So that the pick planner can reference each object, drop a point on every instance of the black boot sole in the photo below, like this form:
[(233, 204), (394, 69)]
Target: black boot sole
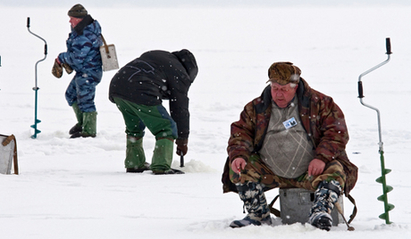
[(170, 171)]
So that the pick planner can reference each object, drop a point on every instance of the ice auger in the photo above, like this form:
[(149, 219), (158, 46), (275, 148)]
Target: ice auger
[(35, 88), (385, 188)]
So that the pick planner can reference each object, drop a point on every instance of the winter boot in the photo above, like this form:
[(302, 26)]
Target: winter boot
[(79, 115), (325, 197), (89, 126), (146, 166), (135, 158), (254, 200), (162, 156), (169, 171)]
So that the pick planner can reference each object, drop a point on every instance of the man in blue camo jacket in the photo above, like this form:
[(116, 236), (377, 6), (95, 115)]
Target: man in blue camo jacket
[(83, 56)]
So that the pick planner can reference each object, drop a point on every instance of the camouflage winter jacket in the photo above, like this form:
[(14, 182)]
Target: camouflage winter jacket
[(83, 47), (322, 119)]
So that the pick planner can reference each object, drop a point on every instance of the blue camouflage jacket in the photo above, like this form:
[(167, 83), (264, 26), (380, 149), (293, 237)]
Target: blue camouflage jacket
[(83, 44)]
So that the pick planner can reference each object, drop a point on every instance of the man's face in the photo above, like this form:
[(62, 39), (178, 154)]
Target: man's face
[(282, 94), (74, 21)]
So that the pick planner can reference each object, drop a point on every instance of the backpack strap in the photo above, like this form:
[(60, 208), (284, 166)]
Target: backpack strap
[(105, 45), (354, 212), (273, 210)]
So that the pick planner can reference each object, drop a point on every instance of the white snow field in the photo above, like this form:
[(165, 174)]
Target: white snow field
[(78, 188)]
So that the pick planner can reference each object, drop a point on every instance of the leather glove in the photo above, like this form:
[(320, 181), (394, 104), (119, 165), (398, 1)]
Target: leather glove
[(57, 70), (67, 68), (182, 146)]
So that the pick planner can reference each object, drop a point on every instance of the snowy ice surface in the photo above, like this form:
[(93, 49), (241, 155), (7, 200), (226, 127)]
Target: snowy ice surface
[(79, 189)]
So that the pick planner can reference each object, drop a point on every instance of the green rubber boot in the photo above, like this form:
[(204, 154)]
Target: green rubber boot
[(79, 115), (89, 127), (162, 156), (135, 161)]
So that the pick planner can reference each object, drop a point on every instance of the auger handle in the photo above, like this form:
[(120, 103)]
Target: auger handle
[(388, 45), (360, 90)]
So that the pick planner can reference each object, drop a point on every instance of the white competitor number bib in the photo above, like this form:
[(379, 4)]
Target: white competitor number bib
[(290, 123)]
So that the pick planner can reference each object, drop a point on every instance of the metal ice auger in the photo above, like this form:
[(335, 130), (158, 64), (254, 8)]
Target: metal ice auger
[(35, 88), (385, 188)]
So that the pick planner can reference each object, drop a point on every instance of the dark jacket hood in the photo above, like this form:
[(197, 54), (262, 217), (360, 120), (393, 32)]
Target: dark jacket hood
[(189, 62)]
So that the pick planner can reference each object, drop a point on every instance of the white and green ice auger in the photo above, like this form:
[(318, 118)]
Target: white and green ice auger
[(36, 88), (386, 189)]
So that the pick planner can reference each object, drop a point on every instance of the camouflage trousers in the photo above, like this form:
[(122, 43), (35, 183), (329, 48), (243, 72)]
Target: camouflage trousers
[(256, 171), (82, 89)]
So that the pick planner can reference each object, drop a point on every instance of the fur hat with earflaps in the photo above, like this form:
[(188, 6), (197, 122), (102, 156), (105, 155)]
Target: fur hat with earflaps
[(284, 73), (77, 11)]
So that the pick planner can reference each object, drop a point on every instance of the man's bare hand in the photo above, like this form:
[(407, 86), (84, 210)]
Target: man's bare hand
[(237, 165), (316, 167)]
